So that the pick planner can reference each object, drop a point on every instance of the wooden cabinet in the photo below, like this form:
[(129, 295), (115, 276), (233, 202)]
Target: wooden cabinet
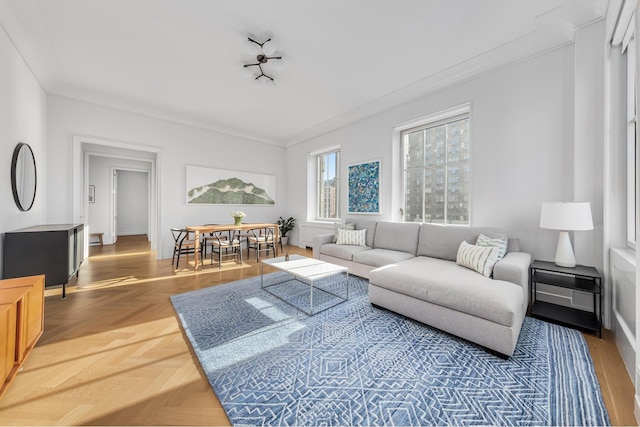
[(21, 323), (53, 250), (8, 317)]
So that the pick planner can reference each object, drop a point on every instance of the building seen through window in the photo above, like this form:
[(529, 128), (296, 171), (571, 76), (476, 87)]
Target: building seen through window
[(436, 172), (328, 185)]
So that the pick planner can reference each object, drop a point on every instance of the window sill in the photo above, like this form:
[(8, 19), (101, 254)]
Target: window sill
[(626, 254), (317, 223)]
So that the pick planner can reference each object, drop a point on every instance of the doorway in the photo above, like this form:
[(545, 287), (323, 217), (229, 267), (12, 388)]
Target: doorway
[(130, 202), (98, 212)]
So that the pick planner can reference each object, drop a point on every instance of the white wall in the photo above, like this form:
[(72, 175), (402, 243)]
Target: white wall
[(637, 254), (133, 203), (588, 140), (23, 118), (620, 268), (536, 135), (521, 134), (178, 146)]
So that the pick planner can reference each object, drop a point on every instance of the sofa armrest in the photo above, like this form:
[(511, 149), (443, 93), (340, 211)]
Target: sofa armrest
[(319, 240), (514, 267)]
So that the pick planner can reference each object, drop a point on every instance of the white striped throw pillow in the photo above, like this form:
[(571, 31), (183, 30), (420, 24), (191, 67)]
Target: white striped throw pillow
[(488, 241), (478, 258), (351, 237), (337, 226)]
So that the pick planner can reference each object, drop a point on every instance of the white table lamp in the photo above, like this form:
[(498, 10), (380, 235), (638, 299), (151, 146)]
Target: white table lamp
[(566, 216)]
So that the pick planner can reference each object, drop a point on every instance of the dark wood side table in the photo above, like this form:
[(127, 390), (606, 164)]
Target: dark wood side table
[(580, 278)]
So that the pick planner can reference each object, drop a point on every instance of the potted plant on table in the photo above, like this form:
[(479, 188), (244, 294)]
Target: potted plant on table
[(286, 225), (237, 217)]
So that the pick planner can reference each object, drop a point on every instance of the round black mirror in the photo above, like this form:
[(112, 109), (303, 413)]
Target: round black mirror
[(23, 176)]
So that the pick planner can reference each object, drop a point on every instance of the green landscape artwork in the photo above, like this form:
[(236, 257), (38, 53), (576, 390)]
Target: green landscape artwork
[(208, 186)]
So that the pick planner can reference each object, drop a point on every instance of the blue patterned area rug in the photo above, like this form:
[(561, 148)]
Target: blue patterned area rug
[(354, 364)]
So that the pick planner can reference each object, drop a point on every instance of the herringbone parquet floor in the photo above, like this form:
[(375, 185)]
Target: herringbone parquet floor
[(113, 353)]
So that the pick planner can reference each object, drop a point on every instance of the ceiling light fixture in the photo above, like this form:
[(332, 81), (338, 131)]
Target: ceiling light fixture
[(263, 57)]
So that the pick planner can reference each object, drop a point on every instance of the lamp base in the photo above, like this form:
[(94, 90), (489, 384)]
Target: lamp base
[(564, 251)]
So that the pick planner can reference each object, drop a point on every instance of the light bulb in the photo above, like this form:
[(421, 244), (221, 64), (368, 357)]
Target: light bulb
[(271, 84), (269, 48), (248, 72), (250, 47)]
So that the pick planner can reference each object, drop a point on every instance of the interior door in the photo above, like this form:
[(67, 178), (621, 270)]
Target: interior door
[(114, 203)]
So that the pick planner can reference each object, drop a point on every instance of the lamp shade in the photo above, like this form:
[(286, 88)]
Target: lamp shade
[(566, 216)]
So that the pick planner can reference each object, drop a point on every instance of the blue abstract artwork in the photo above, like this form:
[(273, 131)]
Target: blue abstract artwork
[(364, 187)]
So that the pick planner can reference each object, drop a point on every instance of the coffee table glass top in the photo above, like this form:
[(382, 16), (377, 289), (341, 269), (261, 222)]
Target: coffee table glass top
[(319, 276), (305, 268)]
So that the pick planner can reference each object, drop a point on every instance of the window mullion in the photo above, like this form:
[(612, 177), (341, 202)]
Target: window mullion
[(320, 208), (424, 174), (446, 174)]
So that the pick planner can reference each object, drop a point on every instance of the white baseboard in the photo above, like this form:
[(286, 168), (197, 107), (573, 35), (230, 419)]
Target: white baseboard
[(131, 233)]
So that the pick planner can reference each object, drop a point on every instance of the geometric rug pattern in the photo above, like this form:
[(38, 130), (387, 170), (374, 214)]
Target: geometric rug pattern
[(354, 364)]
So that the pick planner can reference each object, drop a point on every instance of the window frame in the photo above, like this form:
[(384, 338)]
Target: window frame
[(438, 119), (632, 209), (317, 157)]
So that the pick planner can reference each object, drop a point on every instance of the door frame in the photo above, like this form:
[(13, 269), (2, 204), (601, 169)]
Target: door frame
[(84, 146), (113, 191)]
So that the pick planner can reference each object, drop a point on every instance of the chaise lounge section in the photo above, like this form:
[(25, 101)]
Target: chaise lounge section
[(412, 270)]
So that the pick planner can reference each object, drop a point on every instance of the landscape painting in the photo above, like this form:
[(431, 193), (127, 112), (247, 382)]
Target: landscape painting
[(207, 186), (364, 188)]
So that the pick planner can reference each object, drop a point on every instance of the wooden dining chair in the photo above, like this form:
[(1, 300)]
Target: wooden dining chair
[(261, 240), (209, 238), (226, 247), (183, 245)]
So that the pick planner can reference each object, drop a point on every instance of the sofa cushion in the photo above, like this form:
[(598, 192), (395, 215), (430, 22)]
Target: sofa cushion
[(342, 251), (449, 285), (369, 224), (443, 241), (478, 258), (397, 236), (501, 244), (380, 257), (351, 237), (513, 244)]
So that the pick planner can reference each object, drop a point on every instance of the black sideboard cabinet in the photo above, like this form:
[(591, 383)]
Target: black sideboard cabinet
[(55, 250)]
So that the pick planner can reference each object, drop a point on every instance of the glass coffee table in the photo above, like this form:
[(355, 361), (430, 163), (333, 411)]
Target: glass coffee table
[(308, 284)]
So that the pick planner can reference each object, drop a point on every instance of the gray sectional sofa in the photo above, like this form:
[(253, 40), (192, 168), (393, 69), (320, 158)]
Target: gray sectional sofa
[(412, 270)]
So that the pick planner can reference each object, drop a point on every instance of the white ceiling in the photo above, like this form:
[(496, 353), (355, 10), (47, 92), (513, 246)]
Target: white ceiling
[(344, 59)]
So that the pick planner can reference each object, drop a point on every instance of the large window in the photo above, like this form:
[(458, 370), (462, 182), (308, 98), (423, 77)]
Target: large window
[(436, 171), (328, 185)]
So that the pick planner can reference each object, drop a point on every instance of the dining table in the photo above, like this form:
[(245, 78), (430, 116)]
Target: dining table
[(213, 228)]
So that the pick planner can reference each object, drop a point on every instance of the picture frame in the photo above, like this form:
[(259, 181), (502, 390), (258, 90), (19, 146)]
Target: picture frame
[(364, 187), (210, 186), (92, 194)]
